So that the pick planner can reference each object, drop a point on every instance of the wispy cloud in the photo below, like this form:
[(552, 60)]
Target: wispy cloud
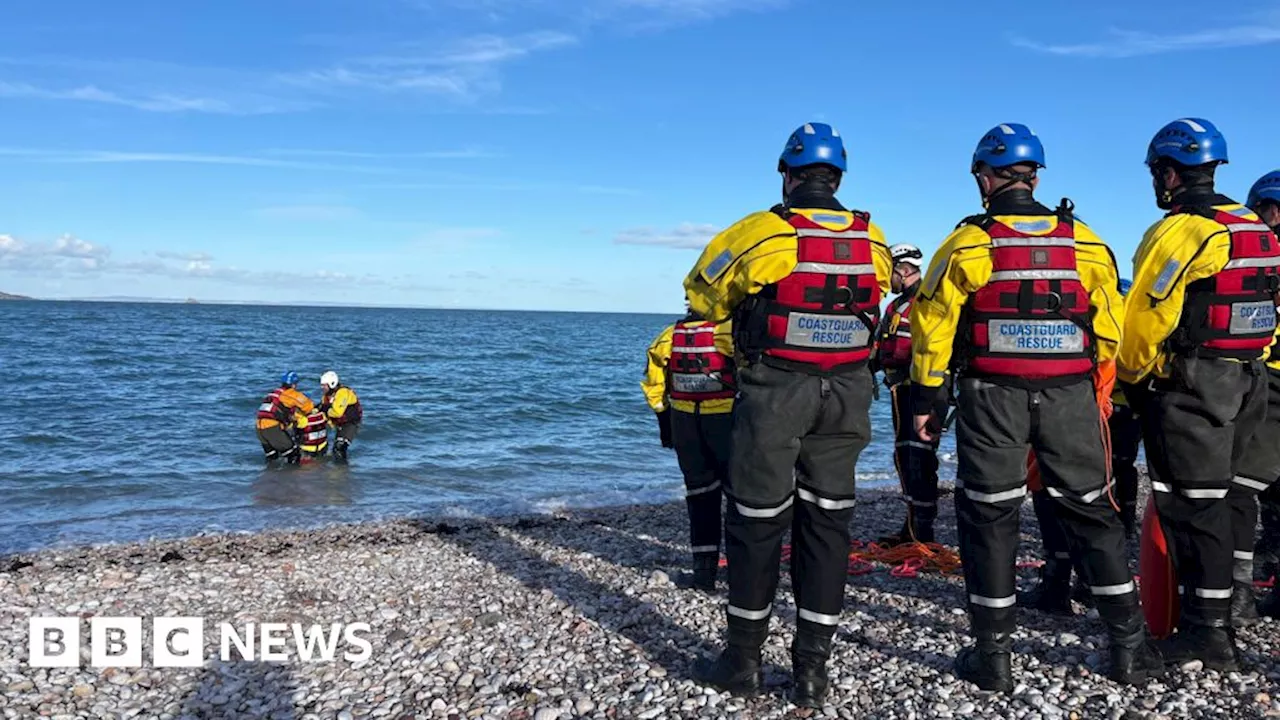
[(466, 154), (685, 236), (1119, 43), (72, 256), (269, 159), (464, 69)]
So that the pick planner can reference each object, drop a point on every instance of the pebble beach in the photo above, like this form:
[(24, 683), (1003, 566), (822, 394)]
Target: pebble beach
[(577, 614)]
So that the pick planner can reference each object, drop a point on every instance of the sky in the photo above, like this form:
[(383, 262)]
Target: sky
[(557, 155)]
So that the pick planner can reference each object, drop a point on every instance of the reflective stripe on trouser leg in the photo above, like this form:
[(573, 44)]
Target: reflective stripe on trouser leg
[(1070, 441), (916, 461), (703, 475), (1051, 532), (1244, 520), (819, 560), (753, 548)]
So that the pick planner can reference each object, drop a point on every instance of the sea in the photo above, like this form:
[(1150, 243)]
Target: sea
[(129, 421)]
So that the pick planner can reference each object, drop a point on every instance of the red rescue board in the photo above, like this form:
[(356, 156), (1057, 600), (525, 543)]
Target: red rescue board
[(1159, 586)]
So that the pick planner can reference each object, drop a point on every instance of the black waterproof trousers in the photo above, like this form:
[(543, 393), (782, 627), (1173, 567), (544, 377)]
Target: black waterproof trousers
[(1197, 427), (796, 441), (277, 443), (702, 449), (1063, 425), (916, 461), (1125, 430), (1256, 476)]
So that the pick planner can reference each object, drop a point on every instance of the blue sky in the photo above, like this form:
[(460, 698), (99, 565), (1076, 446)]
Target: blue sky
[(547, 154)]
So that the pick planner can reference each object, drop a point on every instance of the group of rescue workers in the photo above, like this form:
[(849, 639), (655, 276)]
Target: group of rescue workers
[(292, 427), (1023, 325)]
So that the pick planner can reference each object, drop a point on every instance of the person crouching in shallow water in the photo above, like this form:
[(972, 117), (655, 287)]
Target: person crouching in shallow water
[(342, 407), (689, 383), (916, 461), (1027, 298), (275, 419), (312, 433), (1263, 450), (1199, 320), (802, 282)]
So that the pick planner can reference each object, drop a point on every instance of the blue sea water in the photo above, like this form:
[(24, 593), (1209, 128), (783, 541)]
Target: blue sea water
[(126, 421)]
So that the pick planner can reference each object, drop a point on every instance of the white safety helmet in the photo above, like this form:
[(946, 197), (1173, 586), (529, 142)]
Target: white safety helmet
[(329, 380), (909, 254)]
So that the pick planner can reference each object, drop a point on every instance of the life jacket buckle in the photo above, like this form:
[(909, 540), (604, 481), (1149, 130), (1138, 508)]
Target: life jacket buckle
[(844, 296), (1054, 303)]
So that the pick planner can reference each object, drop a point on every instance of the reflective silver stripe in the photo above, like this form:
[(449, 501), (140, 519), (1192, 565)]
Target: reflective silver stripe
[(1213, 594), (1090, 498), (1262, 262), (1034, 275), (705, 548), (1241, 555), (690, 492), (694, 349), (265, 407), (749, 614), (1161, 487), (834, 268), (825, 503), (1062, 555), (1251, 484), (815, 617), (1003, 602), (838, 234), (1054, 492), (711, 329), (1121, 589), (914, 444), (903, 334), (1248, 227), (1033, 242), (751, 512), (982, 497), (1204, 494)]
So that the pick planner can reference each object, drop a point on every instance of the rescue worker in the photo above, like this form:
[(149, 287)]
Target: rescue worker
[(342, 407), (1263, 449), (1201, 318), (916, 461), (802, 282), (313, 433), (689, 384), (1054, 591), (1024, 301), (275, 419)]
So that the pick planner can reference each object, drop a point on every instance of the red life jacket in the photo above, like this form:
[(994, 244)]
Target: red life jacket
[(273, 409), (698, 370), (823, 314), (894, 351), (1233, 314), (315, 435), (1031, 319)]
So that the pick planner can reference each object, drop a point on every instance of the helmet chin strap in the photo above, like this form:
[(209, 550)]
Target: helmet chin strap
[(1011, 178)]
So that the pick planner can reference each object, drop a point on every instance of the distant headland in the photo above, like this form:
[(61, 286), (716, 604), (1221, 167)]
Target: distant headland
[(7, 296)]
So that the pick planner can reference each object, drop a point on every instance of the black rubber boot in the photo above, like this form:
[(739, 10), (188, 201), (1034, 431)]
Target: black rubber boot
[(1081, 592), (737, 669), (340, 448), (1212, 646), (809, 654), (706, 566), (1269, 606), (923, 532), (1244, 605), (1052, 593), (1135, 659), (989, 663), (1129, 516)]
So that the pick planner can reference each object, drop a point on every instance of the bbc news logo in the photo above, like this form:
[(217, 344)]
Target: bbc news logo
[(179, 642)]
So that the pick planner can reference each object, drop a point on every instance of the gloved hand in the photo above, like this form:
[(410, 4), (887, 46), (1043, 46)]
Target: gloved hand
[(664, 428)]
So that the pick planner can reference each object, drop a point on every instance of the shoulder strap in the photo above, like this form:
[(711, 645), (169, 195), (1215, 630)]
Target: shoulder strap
[(982, 220)]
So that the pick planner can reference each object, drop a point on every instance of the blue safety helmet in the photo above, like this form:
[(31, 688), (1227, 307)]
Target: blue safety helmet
[(1189, 142), (1008, 144), (1124, 285), (289, 378), (1267, 189), (813, 144)]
